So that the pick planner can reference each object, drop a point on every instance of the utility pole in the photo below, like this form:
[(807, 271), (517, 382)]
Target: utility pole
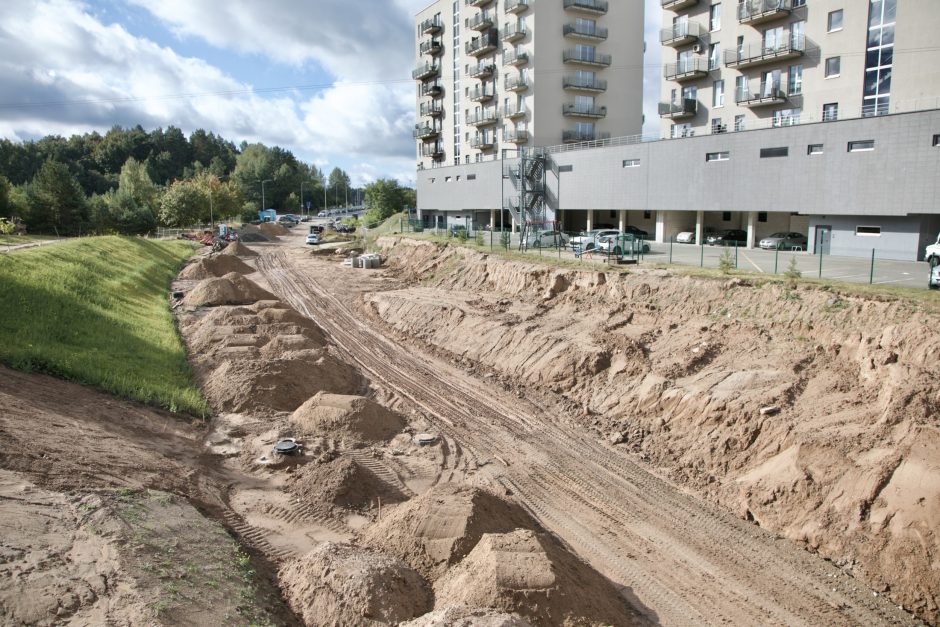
[(262, 192)]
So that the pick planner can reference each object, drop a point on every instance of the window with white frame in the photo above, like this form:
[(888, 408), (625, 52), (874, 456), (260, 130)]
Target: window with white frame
[(718, 93), (835, 20), (717, 156), (714, 53), (833, 67), (717, 126), (830, 112), (787, 117), (795, 80), (631, 163), (863, 145), (739, 123), (814, 149), (714, 17)]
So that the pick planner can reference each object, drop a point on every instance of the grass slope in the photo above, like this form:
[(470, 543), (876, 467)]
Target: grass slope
[(95, 311)]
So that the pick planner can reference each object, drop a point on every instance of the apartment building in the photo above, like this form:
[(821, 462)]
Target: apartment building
[(745, 64), (494, 75)]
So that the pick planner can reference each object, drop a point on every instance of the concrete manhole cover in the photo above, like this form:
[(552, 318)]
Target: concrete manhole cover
[(288, 446)]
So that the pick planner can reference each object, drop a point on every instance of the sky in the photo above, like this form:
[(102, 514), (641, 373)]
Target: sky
[(329, 80)]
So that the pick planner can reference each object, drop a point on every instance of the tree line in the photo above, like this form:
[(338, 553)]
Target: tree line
[(130, 181)]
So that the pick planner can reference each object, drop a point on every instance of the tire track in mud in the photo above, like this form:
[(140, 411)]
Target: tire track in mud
[(688, 562)]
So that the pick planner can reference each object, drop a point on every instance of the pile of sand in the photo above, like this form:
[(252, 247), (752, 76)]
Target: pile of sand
[(532, 574), (231, 289), (468, 617), (438, 528), (343, 483), (254, 235), (339, 584), (215, 266), (271, 229), (239, 249), (354, 417)]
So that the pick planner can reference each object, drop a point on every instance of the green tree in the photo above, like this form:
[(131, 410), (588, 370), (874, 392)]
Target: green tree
[(223, 199), (6, 208), (337, 187), (57, 203), (183, 204), (384, 198)]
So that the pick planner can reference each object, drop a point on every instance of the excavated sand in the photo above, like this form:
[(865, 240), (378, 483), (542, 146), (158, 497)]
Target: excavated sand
[(532, 575), (339, 584), (467, 617), (271, 229), (215, 266), (351, 417), (254, 235), (231, 289), (238, 249), (343, 483), (437, 529)]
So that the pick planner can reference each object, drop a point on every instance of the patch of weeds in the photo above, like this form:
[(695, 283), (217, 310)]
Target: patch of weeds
[(726, 262), (161, 606), (478, 238), (836, 304)]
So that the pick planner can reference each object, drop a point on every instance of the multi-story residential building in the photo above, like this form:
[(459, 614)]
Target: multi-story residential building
[(504, 74)]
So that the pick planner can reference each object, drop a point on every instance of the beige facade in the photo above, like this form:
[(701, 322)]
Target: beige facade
[(503, 74), (740, 65)]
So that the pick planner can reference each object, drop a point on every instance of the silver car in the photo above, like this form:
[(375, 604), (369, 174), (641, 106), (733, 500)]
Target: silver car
[(784, 241)]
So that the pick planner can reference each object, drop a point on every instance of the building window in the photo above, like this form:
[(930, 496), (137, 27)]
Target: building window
[(862, 145), (718, 94), (795, 80), (868, 231), (739, 123), (814, 149), (833, 66), (787, 117), (717, 126), (799, 3), (647, 215), (714, 17), (936, 141), (879, 57), (447, 179), (717, 156), (471, 177), (631, 163), (761, 216), (714, 54), (766, 153), (830, 112), (726, 216), (835, 20)]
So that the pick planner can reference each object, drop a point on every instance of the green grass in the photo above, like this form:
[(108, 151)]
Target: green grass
[(13, 240), (96, 311)]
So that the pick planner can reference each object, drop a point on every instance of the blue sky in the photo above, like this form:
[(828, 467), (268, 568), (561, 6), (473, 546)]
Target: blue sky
[(327, 79)]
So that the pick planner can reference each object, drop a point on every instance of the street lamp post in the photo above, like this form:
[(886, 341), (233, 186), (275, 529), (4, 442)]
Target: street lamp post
[(262, 192), (302, 198)]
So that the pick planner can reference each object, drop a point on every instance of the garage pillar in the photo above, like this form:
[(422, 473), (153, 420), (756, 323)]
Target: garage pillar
[(514, 225), (590, 219), (492, 219), (621, 219), (699, 226), (660, 227), (751, 228)]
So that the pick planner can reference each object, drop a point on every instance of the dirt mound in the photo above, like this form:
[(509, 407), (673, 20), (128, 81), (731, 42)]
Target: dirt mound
[(254, 236), (438, 528), (467, 617), (531, 574), (238, 249), (277, 384), (355, 417), (343, 483), (339, 584), (215, 266), (270, 229), (231, 289)]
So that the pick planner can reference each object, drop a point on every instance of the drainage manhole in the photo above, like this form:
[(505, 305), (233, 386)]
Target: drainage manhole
[(288, 446), (425, 438)]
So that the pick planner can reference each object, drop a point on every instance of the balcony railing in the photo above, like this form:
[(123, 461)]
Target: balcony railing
[(514, 112), (767, 52), (426, 71), (476, 3), (432, 47), (483, 142), (481, 21), (582, 83), (483, 44), (481, 71), (516, 6), (483, 117), (516, 83), (760, 11), (574, 110), (766, 94), (432, 109), (584, 31), (431, 26), (512, 32), (686, 70), (586, 57), (591, 6), (515, 136), (425, 131), (676, 5), (482, 93), (685, 108), (432, 151), (681, 33), (432, 89), (571, 137), (515, 57)]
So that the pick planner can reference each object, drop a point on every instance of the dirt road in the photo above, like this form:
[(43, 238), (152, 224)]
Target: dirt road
[(677, 559)]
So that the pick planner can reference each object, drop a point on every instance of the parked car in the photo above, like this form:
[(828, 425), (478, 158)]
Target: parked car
[(322, 214), (784, 241), (934, 281), (635, 232), (457, 229), (688, 237), (547, 239), (932, 252), (621, 245), (729, 237), (588, 239), (313, 238), (287, 220)]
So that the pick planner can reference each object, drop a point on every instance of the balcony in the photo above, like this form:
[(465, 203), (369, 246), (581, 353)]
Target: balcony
[(483, 117), (515, 136), (432, 47), (515, 58), (755, 12), (481, 71), (512, 32), (681, 33), (514, 112), (598, 7), (767, 94), (582, 31), (483, 142), (768, 52), (482, 93), (431, 26), (432, 89), (685, 108), (516, 83), (686, 70), (431, 109), (585, 57), (478, 46), (573, 110), (433, 151), (578, 83), (426, 71), (678, 5), (426, 132), (573, 137), (516, 6), (476, 3), (481, 22)]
